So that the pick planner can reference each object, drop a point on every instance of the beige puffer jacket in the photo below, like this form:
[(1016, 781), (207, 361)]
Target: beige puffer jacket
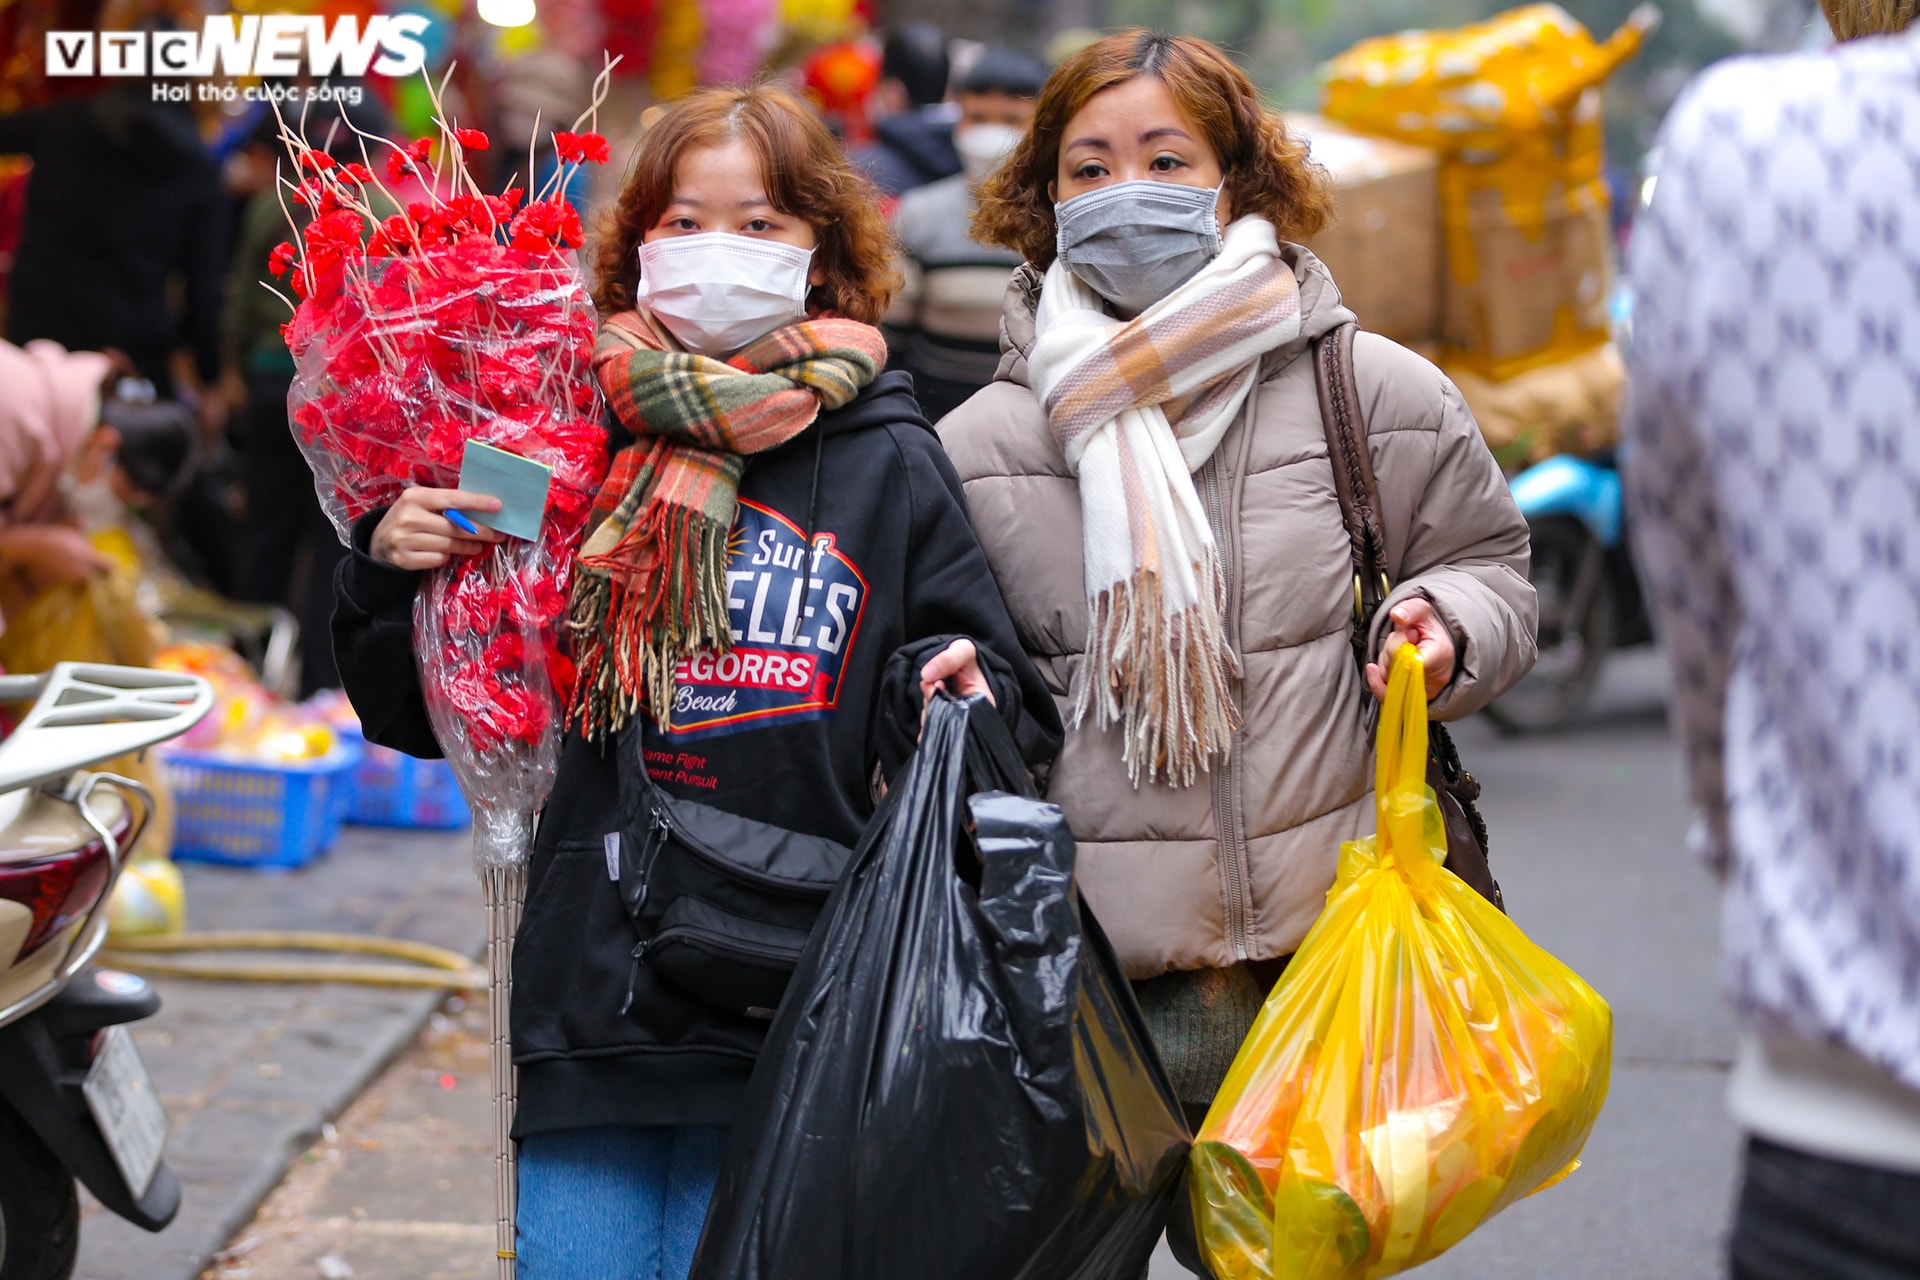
[(1237, 866)]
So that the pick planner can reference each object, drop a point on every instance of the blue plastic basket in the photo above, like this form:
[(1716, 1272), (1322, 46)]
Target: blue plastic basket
[(248, 814), (392, 789)]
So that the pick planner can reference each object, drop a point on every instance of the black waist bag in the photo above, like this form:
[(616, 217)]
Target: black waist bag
[(723, 904)]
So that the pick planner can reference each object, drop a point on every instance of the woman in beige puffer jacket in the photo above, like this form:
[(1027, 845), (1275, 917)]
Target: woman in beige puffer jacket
[(1197, 880)]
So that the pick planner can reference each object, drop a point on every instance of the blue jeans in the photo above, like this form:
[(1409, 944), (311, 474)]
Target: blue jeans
[(615, 1202)]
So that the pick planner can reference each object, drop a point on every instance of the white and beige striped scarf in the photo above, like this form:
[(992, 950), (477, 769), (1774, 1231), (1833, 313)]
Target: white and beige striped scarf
[(1138, 406)]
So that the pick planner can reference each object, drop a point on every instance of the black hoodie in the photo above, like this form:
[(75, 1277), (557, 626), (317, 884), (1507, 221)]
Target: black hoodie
[(819, 692)]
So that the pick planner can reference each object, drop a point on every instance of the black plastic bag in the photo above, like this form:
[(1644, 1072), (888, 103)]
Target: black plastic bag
[(958, 1084)]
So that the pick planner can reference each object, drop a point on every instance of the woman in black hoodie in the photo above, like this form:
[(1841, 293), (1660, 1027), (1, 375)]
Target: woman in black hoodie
[(782, 572)]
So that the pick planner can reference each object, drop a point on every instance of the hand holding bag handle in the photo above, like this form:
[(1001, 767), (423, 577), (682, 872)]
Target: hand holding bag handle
[(1453, 787)]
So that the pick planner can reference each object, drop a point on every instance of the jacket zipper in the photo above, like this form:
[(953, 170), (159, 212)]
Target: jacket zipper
[(720, 943), (1226, 773)]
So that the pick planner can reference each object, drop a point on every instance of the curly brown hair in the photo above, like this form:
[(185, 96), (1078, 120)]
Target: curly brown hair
[(807, 176), (1266, 168)]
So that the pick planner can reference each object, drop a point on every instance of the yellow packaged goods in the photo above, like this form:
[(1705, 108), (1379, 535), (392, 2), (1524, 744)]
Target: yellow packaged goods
[(247, 722), (1420, 1065), (1512, 105), (1569, 407), (1383, 246)]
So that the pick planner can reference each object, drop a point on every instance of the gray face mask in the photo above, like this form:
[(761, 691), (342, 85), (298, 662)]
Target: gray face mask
[(1133, 243)]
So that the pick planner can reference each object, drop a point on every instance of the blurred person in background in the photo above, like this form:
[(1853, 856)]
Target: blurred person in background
[(538, 93), (50, 402), (1774, 482), (288, 550), (1151, 460), (123, 216), (948, 315), (912, 121)]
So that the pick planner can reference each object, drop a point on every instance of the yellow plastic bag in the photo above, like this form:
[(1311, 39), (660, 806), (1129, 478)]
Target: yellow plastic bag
[(96, 620), (1478, 87), (1420, 1066)]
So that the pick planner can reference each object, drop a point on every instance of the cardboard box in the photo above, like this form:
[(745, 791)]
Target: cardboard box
[(1383, 246), (1527, 284)]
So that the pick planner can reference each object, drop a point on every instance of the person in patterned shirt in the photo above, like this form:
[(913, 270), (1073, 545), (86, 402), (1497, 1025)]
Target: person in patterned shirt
[(1773, 474)]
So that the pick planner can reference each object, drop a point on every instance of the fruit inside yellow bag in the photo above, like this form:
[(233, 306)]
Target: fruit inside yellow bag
[(1420, 1066)]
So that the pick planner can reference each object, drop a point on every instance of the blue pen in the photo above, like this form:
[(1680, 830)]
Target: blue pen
[(460, 522)]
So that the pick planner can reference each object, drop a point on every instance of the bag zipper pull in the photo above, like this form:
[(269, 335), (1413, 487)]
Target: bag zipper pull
[(633, 976)]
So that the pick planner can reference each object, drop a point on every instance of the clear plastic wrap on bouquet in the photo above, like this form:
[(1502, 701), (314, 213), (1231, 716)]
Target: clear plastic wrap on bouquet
[(401, 361)]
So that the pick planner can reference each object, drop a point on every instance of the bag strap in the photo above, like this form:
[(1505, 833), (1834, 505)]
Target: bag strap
[(1353, 480), (1359, 494)]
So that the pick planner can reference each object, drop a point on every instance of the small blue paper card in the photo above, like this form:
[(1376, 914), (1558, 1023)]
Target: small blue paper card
[(519, 483)]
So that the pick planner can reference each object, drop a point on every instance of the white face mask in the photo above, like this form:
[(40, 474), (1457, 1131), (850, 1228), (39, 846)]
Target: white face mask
[(983, 147), (716, 292)]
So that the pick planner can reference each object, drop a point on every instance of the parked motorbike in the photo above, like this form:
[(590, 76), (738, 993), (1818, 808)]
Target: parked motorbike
[(1590, 600), (75, 1099)]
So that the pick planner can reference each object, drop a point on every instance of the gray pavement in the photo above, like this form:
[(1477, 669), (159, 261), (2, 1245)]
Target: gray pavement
[(1587, 828), (251, 1073)]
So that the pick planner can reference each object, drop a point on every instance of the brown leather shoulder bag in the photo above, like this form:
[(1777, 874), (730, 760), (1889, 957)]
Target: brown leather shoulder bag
[(1454, 788)]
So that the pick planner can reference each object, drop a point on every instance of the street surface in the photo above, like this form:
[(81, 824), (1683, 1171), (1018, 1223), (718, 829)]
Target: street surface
[(250, 1072), (1587, 845)]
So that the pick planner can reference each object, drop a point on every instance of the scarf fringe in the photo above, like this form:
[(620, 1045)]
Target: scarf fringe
[(632, 630), (1165, 679)]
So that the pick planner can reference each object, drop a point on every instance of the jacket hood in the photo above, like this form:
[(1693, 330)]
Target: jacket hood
[(921, 140), (1320, 312), (887, 401)]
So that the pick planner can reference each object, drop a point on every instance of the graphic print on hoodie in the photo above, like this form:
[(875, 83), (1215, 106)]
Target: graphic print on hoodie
[(791, 630)]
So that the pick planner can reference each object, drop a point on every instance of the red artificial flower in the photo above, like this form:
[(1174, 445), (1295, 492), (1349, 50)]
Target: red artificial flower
[(471, 139), (406, 161), (547, 225), (318, 161), (506, 651), (562, 675), (581, 148), (391, 238), (321, 197), (357, 172), (332, 238), (282, 259)]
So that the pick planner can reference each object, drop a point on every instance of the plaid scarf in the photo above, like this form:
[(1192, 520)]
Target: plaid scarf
[(650, 585), (1138, 406)]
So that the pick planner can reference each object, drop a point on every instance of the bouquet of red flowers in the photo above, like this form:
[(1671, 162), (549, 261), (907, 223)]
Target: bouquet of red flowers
[(423, 325), (461, 319)]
